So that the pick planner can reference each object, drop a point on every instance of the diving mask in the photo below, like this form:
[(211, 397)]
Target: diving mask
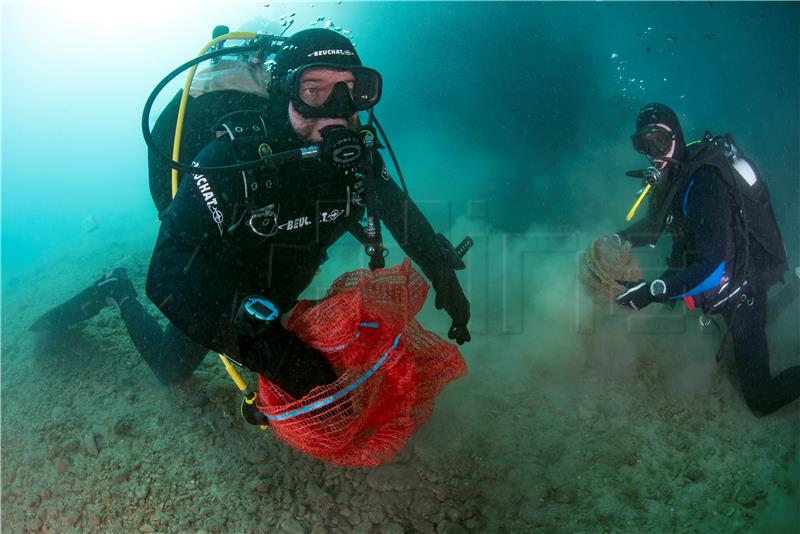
[(322, 90), (654, 141)]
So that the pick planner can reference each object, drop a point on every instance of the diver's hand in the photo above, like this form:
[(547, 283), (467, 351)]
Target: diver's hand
[(284, 359), (614, 238), (459, 333), (637, 296), (450, 297)]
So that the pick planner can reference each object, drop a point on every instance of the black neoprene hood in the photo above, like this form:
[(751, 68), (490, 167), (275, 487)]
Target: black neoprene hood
[(656, 113), (316, 45)]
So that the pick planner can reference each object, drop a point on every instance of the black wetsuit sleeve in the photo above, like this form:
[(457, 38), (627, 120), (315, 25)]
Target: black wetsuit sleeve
[(184, 287), (186, 279), (706, 205), (639, 233), (408, 225)]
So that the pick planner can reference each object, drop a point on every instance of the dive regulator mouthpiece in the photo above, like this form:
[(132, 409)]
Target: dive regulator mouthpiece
[(340, 146), (651, 175)]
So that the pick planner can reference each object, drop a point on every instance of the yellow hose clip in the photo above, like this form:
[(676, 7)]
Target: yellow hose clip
[(638, 202), (250, 412)]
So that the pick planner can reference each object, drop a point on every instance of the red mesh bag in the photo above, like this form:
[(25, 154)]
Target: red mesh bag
[(390, 369)]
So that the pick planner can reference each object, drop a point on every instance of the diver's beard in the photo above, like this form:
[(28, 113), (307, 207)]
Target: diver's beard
[(353, 124)]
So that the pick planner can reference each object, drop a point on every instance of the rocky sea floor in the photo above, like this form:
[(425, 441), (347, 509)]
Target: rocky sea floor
[(582, 440)]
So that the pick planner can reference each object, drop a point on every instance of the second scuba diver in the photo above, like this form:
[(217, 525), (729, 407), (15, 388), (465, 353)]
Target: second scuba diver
[(727, 249), (236, 248)]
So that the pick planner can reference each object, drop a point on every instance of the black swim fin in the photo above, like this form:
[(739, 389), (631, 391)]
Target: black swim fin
[(87, 303)]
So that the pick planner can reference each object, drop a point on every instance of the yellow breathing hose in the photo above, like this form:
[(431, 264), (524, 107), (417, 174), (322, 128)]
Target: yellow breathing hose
[(237, 379), (638, 202), (176, 152)]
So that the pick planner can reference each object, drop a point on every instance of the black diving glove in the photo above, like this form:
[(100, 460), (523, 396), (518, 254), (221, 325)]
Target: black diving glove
[(637, 296), (285, 360), (450, 297)]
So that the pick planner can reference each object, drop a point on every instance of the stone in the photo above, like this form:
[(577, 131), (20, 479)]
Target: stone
[(376, 516), (125, 427), (392, 528), (72, 517), (318, 496), (292, 526), (746, 496), (90, 445), (121, 476), (472, 524), (142, 492), (448, 527), (393, 477), (422, 526), (424, 505)]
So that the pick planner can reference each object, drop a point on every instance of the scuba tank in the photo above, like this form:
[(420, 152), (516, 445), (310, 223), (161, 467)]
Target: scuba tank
[(753, 223), (230, 83)]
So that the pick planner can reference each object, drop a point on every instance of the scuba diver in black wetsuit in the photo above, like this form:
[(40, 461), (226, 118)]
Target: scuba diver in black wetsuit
[(727, 248), (238, 245)]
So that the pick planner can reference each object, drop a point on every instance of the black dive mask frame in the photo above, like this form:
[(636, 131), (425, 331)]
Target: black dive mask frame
[(653, 141), (340, 104)]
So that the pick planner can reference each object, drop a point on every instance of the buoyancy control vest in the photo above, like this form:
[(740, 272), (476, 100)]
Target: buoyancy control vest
[(753, 220)]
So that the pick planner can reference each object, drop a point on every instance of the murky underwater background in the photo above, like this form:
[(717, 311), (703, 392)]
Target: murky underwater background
[(512, 125)]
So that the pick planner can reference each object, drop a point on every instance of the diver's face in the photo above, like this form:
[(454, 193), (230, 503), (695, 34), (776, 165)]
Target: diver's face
[(314, 89)]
